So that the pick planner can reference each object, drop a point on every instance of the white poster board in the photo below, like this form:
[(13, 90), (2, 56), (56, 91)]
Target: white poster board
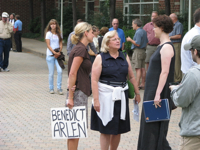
[(68, 123)]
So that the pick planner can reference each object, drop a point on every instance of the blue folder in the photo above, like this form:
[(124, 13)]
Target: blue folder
[(153, 114)]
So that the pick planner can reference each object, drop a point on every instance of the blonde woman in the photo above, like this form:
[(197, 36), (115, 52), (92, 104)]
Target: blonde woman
[(79, 68), (53, 39), (110, 110)]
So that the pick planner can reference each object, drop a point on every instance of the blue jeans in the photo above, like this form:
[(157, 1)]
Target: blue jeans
[(4, 53), (51, 62)]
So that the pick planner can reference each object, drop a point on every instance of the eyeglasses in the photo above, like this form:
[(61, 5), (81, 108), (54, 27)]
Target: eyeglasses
[(115, 39), (115, 23)]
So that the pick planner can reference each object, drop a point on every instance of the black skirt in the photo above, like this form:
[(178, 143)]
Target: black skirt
[(116, 125)]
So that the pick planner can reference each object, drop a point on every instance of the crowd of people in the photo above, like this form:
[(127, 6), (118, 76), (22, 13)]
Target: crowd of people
[(168, 58), (98, 65), (10, 38)]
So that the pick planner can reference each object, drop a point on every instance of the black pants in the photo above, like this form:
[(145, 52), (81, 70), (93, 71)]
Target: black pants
[(18, 40)]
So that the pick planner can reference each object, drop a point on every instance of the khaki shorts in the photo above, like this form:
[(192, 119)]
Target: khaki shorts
[(190, 143), (149, 51), (138, 58)]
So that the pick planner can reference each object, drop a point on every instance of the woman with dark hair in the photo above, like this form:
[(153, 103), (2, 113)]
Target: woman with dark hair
[(103, 31), (54, 41), (161, 71)]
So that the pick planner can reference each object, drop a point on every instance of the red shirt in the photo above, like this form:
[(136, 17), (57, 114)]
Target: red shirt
[(150, 34)]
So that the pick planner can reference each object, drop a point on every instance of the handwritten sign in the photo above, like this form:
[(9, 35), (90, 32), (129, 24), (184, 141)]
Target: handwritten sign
[(68, 123)]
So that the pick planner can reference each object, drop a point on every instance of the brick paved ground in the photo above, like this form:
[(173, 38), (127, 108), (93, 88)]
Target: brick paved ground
[(25, 110)]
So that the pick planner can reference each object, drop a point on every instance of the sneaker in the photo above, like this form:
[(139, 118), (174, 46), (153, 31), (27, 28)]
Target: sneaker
[(60, 91), (6, 70), (51, 91)]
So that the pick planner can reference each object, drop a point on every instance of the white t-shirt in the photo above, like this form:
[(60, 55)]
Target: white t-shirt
[(186, 56), (96, 43), (12, 22), (54, 42)]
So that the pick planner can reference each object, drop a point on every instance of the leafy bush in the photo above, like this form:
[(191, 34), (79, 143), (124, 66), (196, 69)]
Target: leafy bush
[(35, 25), (31, 35), (183, 18), (102, 18), (130, 33), (67, 20), (99, 20)]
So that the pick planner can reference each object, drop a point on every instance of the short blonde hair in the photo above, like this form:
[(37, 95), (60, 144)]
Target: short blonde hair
[(79, 31), (106, 39)]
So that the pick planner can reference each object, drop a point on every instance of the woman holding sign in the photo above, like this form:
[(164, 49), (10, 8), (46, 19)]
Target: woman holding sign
[(160, 73), (79, 68), (110, 110)]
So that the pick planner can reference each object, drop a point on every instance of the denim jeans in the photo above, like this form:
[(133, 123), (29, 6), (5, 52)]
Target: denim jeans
[(51, 62), (4, 53)]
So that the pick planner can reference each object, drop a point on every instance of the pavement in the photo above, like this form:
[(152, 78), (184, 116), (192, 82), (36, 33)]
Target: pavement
[(25, 105)]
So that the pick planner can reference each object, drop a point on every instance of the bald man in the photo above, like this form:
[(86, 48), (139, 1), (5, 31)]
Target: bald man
[(176, 38), (115, 24)]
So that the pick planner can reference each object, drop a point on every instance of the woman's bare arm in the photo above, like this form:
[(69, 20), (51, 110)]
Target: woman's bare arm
[(72, 79), (96, 72), (166, 54)]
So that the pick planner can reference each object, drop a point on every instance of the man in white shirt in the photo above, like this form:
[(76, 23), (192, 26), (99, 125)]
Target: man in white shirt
[(12, 21), (6, 29), (186, 57)]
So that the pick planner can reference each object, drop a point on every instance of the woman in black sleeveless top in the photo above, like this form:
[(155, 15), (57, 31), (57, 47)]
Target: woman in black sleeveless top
[(110, 116), (160, 72)]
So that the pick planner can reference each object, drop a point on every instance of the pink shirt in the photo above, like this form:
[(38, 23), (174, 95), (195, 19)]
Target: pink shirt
[(150, 34)]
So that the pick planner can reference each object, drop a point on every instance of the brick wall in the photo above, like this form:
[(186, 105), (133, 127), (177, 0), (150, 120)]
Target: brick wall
[(22, 8), (174, 4), (119, 4), (80, 5)]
